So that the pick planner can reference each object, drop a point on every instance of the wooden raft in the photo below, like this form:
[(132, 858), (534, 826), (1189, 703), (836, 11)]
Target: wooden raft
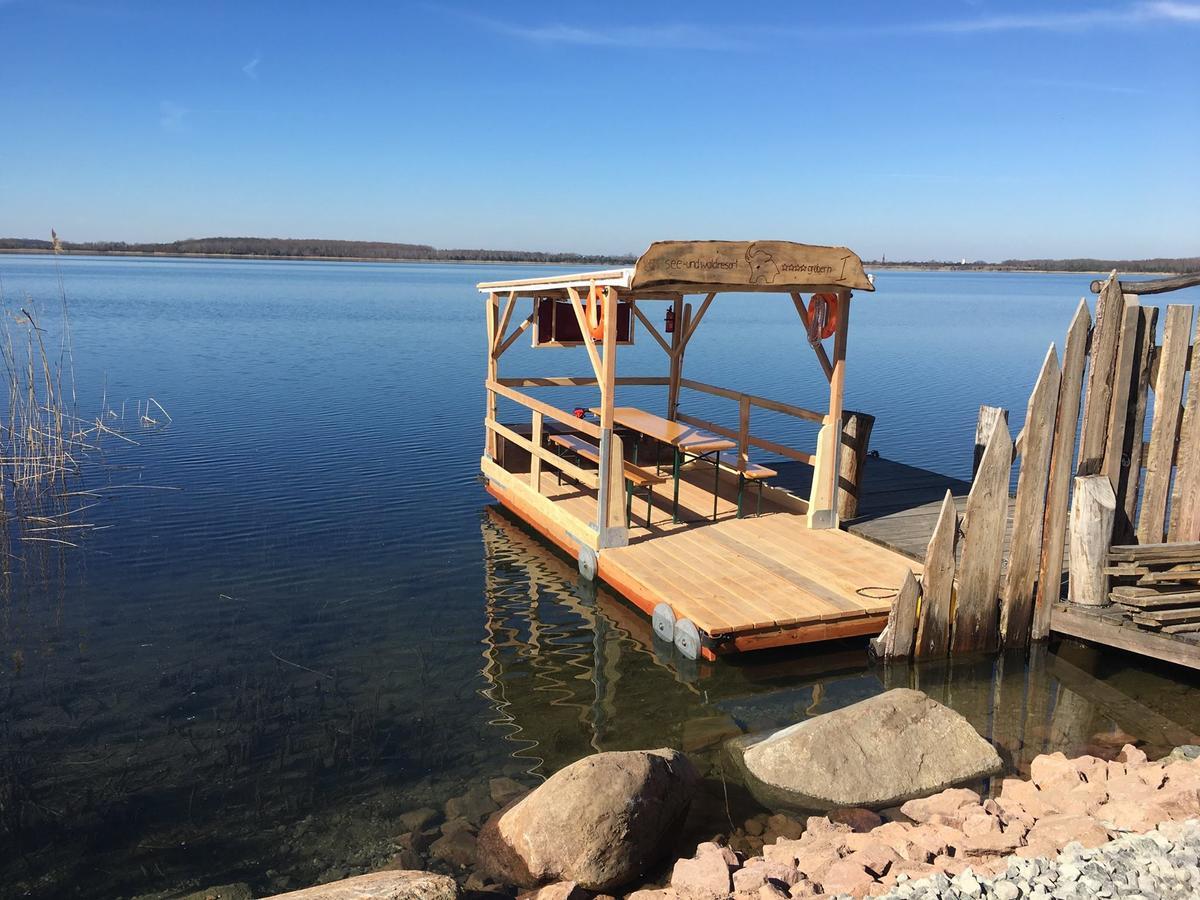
[(747, 584)]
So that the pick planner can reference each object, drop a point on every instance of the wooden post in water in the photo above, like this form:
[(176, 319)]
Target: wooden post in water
[(856, 438), (976, 613), (1016, 608), (1092, 512), (937, 585), (897, 637), (1054, 523)]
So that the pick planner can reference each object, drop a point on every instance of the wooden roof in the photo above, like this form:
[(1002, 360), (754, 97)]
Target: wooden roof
[(695, 267)]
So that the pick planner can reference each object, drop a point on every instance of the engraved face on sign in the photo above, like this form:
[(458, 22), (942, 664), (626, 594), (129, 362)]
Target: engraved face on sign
[(763, 269)]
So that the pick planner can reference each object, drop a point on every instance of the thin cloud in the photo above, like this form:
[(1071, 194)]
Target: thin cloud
[(251, 68), (171, 116), (670, 36), (681, 36)]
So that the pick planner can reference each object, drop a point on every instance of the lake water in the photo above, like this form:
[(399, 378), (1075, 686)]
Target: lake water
[(306, 618)]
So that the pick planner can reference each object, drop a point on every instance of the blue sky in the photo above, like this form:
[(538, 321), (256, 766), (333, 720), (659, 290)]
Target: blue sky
[(945, 129)]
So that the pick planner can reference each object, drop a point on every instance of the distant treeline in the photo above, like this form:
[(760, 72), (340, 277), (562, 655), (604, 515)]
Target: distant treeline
[(313, 248), (1180, 266)]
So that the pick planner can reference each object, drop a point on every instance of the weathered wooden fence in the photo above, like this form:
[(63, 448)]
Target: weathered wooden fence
[(1087, 479)]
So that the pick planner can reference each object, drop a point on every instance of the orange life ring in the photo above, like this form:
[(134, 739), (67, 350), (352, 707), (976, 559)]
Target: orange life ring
[(595, 313), (822, 316)]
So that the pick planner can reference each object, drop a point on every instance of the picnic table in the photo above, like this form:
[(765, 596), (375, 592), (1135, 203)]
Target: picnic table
[(685, 440)]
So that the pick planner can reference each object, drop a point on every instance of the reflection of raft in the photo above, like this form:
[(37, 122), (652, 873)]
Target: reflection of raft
[(741, 581)]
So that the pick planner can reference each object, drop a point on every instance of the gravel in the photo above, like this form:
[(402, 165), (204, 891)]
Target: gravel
[(1160, 864)]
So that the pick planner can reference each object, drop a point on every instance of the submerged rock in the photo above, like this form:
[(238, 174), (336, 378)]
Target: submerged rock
[(877, 753), (600, 822), (381, 886)]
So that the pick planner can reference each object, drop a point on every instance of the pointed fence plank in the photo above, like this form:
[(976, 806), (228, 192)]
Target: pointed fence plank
[(983, 429), (1185, 496), (902, 620), (1135, 428), (1020, 584), (1118, 413), (1168, 391), (937, 585), (1054, 523), (1092, 511), (1109, 311), (976, 617)]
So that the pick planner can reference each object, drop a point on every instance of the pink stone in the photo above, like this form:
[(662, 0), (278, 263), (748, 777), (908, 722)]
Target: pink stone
[(702, 876), (980, 823), (1050, 768), (772, 892), (1132, 756), (1091, 769), (1129, 815), (1023, 794), (845, 877), (710, 848), (752, 877), (949, 804), (1062, 830), (782, 851), (1083, 799), (876, 858), (817, 825)]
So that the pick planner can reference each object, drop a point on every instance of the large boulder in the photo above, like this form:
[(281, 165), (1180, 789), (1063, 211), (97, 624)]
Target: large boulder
[(407, 885), (600, 822), (874, 754)]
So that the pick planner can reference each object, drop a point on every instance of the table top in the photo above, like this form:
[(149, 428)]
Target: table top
[(685, 437)]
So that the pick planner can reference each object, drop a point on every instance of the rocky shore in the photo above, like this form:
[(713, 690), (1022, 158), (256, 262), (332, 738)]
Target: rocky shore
[(610, 825)]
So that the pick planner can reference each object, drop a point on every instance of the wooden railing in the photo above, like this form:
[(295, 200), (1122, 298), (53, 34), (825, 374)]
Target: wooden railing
[(533, 444), (742, 435)]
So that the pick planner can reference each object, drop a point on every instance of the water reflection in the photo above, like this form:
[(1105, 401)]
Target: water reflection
[(562, 660)]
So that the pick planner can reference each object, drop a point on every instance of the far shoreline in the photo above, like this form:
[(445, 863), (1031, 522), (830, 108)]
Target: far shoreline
[(252, 257)]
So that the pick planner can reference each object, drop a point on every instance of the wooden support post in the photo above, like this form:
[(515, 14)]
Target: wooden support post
[(1109, 313), (856, 438), (1168, 392), (1185, 495), (683, 315), (1016, 606), (1092, 511), (1054, 523), (743, 438), (984, 426), (535, 461), (975, 614), (493, 312), (823, 506), (937, 585), (1130, 483), (611, 494)]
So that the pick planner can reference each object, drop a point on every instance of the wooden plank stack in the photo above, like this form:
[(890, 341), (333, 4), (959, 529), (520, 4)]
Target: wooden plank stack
[(1157, 585)]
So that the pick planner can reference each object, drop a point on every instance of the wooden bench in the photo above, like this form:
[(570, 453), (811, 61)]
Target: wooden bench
[(755, 472), (635, 476)]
